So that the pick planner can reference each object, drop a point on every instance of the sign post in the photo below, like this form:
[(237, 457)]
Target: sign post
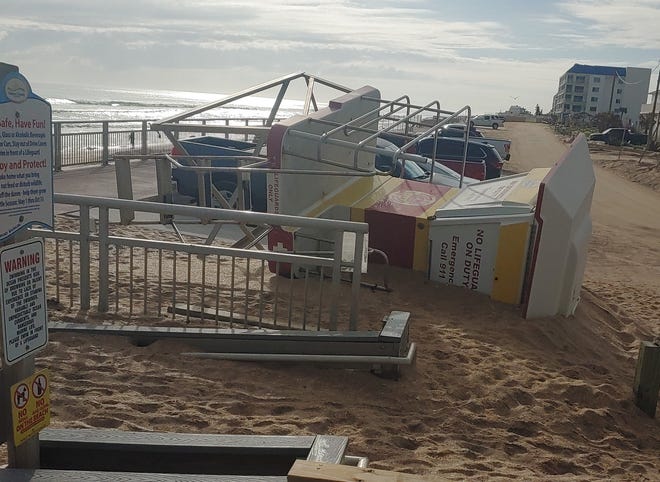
[(26, 199)]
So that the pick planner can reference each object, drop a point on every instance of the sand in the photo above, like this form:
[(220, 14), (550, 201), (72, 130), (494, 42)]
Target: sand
[(492, 396)]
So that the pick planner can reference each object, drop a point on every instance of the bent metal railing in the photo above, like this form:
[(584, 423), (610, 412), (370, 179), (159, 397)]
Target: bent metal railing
[(138, 271)]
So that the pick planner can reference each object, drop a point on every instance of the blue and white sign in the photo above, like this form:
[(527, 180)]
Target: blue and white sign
[(26, 157)]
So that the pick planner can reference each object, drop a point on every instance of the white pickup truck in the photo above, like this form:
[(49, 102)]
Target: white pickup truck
[(502, 146), (487, 120)]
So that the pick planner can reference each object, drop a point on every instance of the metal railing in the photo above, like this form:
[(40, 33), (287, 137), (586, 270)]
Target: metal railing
[(98, 141), (149, 272)]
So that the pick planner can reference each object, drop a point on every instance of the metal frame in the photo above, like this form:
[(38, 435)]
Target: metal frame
[(375, 122), (171, 126), (385, 122)]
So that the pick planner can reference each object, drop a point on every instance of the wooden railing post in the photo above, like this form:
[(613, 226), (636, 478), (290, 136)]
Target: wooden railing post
[(647, 377)]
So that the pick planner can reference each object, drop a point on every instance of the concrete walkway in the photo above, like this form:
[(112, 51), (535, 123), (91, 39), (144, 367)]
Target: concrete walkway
[(101, 181)]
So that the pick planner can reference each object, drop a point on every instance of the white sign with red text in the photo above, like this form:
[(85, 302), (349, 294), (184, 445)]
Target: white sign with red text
[(23, 294)]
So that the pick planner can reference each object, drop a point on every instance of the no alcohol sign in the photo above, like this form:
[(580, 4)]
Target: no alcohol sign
[(30, 406)]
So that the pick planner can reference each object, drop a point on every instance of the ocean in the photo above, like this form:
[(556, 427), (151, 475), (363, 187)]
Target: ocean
[(83, 104)]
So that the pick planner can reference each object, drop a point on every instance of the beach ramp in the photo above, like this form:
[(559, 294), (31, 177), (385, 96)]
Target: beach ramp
[(115, 455)]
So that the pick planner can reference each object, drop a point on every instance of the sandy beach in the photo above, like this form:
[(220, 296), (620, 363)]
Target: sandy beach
[(491, 396)]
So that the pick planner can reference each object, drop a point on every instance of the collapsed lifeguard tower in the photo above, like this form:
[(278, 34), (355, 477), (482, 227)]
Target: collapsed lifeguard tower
[(521, 239)]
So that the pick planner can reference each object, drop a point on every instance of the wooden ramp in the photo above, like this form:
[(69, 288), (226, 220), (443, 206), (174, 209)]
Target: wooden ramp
[(46, 475), (384, 351), (115, 455), (308, 471)]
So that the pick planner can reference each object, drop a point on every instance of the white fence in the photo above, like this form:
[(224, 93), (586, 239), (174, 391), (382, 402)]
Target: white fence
[(149, 271)]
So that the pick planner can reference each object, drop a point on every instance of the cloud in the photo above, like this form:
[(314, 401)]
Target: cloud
[(463, 53), (553, 20), (632, 24)]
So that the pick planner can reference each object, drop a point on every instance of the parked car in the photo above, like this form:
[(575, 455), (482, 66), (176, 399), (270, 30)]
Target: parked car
[(417, 170), (487, 120), (615, 136), (503, 146), (445, 175), (474, 168), (450, 128), (452, 149)]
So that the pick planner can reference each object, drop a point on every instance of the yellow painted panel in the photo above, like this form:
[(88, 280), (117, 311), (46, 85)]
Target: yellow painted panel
[(510, 262), (446, 197), (369, 198), (528, 188), (421, 248), (351, 194), (357, 215)]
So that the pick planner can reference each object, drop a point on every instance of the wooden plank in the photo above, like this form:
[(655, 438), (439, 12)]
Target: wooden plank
[(328, 448), (306, 471), (209, 443), (193, 332), (44, 475), (124, 187), (396, 327), (647, 377), (238, 340), (108, 450)]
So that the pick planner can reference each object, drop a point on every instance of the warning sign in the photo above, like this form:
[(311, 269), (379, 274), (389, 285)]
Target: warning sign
[(30, 406), (23, 294)]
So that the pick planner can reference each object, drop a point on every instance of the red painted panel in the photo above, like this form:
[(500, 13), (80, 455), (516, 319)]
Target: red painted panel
[(393, 234)]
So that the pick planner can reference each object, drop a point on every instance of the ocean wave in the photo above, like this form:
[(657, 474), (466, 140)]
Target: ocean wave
[(56, 101), (132, 103)]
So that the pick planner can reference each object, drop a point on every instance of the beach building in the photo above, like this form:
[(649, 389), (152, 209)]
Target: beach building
[(649, 109), (592, 89)]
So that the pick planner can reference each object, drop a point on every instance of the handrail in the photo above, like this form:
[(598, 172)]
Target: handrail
[(248, 217)]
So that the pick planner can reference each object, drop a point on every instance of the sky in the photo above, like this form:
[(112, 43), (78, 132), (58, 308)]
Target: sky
[(488, 54)]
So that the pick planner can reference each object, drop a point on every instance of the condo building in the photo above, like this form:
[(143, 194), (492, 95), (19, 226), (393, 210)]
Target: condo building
[(592, 89)]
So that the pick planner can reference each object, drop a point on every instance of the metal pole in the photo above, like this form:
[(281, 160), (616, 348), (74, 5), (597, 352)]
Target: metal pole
[(26, 455), (104, 269), (408, 359), (57, 146), (143, 139), (336, 278), (105, 143), (357, 274), (649, 140), (84, 257)]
